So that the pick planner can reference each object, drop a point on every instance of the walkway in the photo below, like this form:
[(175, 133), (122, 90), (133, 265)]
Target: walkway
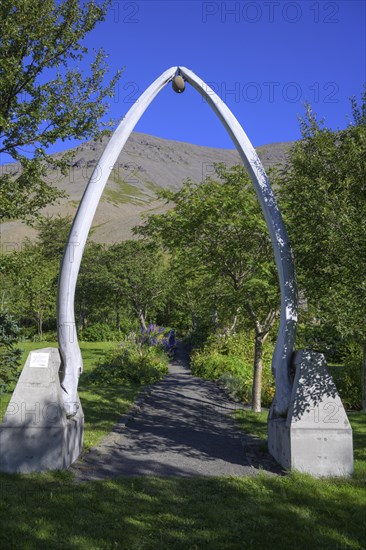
[(181, 428)]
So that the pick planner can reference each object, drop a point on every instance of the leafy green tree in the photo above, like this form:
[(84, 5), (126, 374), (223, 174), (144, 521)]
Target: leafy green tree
[(31, 284), (137, 272), (44, 95), (29, 276), (323, 191), (52, 235), (93, 300), (194, 297), (218, 227), (9, 354)]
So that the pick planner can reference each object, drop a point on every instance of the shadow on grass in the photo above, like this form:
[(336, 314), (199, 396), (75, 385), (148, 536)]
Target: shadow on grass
[(221, 513)]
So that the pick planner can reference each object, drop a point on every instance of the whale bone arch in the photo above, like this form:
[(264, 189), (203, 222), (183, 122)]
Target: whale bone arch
[(71, 359)]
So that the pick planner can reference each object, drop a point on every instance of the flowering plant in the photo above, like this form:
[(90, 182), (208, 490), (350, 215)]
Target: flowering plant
[(157, 336)]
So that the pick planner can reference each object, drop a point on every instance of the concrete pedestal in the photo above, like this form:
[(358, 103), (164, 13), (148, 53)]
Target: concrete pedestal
[(316, 436), (36, 433)]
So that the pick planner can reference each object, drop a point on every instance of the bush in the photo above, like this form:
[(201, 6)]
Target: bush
[(48, 336), (347, 377), (163, 338), (99, 332), (236, 388), (9, 355), (318, 336), (131, 362), (229, 359)]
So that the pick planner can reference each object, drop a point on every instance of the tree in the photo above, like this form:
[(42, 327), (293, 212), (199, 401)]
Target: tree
[(218, 226), (195, 297), (136, 273), (93, 296), (30, 284), (9, 355), (44, 95), (323, 190), (52, 236)]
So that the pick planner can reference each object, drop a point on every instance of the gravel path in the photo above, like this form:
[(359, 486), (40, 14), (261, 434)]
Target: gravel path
[(180, 427)]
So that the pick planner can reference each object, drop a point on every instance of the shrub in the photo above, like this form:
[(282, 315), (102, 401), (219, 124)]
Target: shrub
[(131, 362), (9, 355), (347, 377), (99, 332), (163, 338), (238, 390), (48, 336), (229, 359)]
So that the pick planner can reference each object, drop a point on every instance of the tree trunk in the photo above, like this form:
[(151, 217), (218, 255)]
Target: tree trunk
[(193, 321), (364, 379), (142, 320), (232, 328), (82, 316), (40, 325), (118, 316), (257, 378), (215, 319)]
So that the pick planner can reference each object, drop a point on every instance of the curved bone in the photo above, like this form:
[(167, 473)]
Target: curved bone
[(283, 255), (71, 359), (68, 343)]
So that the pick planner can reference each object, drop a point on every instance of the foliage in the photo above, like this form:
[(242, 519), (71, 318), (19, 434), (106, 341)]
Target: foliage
[(44, 95), (136, 277), (99, 332), (218, 231), (222, 256), (348, 376), (93, 303), (30, 284), (319, 334), (132, 362), (48, 335), (344, 358), (153, 335), (52, 235), (9, 354), (117, 286), (229, 359), (348, 381), (140, 358), (29, 276), (323, 190)]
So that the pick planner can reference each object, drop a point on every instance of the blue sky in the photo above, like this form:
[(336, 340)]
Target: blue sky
[(265, 58)]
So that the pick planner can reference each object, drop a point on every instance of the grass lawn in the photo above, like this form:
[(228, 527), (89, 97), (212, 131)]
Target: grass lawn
[(263, 512)]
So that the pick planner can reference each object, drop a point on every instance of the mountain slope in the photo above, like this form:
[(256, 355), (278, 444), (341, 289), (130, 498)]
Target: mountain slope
[(146, 164)]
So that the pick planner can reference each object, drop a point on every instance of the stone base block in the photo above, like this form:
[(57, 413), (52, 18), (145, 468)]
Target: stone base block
[(36, 433), (316, 436)]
